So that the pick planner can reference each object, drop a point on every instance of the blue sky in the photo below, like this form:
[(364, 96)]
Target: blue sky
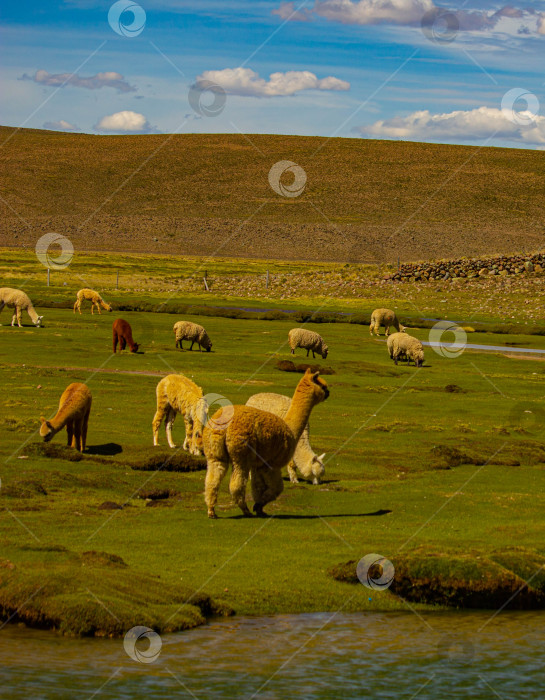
[(352, 68)]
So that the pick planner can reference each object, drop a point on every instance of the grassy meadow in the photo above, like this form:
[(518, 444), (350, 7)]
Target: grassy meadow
[(442, 462)]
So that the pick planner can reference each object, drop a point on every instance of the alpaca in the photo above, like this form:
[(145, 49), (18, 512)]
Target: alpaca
[(400, 344), (305, 460), (185, 330), (386, 318), (18, 300), (308, 340), (259, 443), (122, 332), (178, 394), (94, 298), (74, 410)]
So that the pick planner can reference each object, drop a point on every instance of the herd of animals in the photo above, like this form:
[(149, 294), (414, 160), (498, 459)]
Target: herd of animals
[(258, 439)]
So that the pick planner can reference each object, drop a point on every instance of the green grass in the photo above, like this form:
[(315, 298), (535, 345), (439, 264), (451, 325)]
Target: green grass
[(388, 488)]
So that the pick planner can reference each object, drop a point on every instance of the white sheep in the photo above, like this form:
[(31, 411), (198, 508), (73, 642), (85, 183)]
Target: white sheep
[(400, 344), (178, 394), (18, 300), (386, 318), (185, 330), (308, 340), (304, 458)]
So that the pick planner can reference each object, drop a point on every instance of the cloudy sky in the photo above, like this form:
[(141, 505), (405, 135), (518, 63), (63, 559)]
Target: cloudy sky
[(469, 72)]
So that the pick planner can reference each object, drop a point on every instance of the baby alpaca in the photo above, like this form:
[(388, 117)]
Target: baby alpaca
[(74, 410), (94, 298), (18, 300), (122, 333), (257, 443), (386, 318), (178, 394)]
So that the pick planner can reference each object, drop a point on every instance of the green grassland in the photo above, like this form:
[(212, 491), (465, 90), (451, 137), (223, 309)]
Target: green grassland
[(445, 460)]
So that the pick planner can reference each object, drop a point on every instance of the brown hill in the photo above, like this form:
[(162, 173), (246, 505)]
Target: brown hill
[(203, 194)]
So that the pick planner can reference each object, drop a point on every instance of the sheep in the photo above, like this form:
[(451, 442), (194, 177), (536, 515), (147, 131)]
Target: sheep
[(386, 318), (304, 458), (178, 394), (258, 444), (122, 333), (18, 300), (74, 410), (308, 340), (185, 330), (399, 344), (94, 298)]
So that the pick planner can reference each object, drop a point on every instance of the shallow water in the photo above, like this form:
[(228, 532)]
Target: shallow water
[(360, 655)]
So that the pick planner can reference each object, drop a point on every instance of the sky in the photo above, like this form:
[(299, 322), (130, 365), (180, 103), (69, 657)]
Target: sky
[(470, 72)]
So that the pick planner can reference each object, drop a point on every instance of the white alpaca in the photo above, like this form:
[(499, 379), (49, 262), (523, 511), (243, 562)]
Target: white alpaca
[(18, 300)]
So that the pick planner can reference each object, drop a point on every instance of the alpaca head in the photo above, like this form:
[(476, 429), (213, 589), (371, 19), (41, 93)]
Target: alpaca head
[(311, 381), (419, 358), (402, 329), (38, 322), (206, 343), (106, 306), (317, 468), (134, 347), (325, 350), (46, 429)]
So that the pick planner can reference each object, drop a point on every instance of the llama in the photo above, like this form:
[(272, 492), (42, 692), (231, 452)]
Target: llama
[(18, 300), (386, 318), (94, 298), (178, 394), (74, 410), (259, 444), (122, 333), (305, 460)]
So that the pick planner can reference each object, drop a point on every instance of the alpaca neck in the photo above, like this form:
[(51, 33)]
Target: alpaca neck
[(60, 420), (32, 313), (301, 406)]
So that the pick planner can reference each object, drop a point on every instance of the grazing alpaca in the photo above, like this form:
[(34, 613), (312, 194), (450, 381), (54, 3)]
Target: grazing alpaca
[(122, 332), (258, 443), (178, 394), (185, 330), (18, 300), (74, 409), (386, 318), (94, 298), (308, 340)]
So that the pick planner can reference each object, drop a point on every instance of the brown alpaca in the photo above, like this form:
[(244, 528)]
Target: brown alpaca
[(122, 333), (94, 298), (74, 410), (259, 443)]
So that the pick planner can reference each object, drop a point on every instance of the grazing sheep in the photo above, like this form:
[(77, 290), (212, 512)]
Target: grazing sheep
[(185, 330), (122, 333), (94, 298), (304, 458), (178, 394), (256, 443), (74, 410), (308, 340), (391, 343), (400, 344), (386, 318), (18, 300)]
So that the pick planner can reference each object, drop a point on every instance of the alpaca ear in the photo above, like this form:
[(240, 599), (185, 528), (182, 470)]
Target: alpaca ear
[(42, 420), (321, 458)]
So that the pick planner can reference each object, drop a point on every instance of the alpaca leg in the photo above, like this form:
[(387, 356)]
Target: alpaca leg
[(169, 422), (76, 440), (308, 350), (293, 351), (13, 318), (191, 348), (313, 355), (386, 330), (19, 313), (274, 485), (215, 472), (123, 343), (69, 433), (237, 487), (115, 342), (188, 442), (292, 473), (84, 430), (157, 420)]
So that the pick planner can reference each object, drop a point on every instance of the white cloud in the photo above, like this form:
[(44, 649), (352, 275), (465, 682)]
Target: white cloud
[(126, 122), (93, 82), (244, 81), (61, 125), (287, 10), (373, 11), (541, 24), (474, 124)]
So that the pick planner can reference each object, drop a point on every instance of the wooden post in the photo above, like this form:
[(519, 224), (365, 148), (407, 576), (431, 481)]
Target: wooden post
[(205, 284), (117, 280), (48, 271)]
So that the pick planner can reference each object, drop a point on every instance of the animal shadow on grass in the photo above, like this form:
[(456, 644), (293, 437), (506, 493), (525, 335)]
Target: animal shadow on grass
[(381, 511), (109, 448), (309, 481)]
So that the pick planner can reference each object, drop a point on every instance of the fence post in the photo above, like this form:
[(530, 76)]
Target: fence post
[(205, 284)]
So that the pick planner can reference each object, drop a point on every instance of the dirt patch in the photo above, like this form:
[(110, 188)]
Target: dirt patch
[(289, 366), (178, 462)]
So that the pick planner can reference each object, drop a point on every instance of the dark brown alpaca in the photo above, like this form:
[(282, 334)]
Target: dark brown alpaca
[(123, 333)]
